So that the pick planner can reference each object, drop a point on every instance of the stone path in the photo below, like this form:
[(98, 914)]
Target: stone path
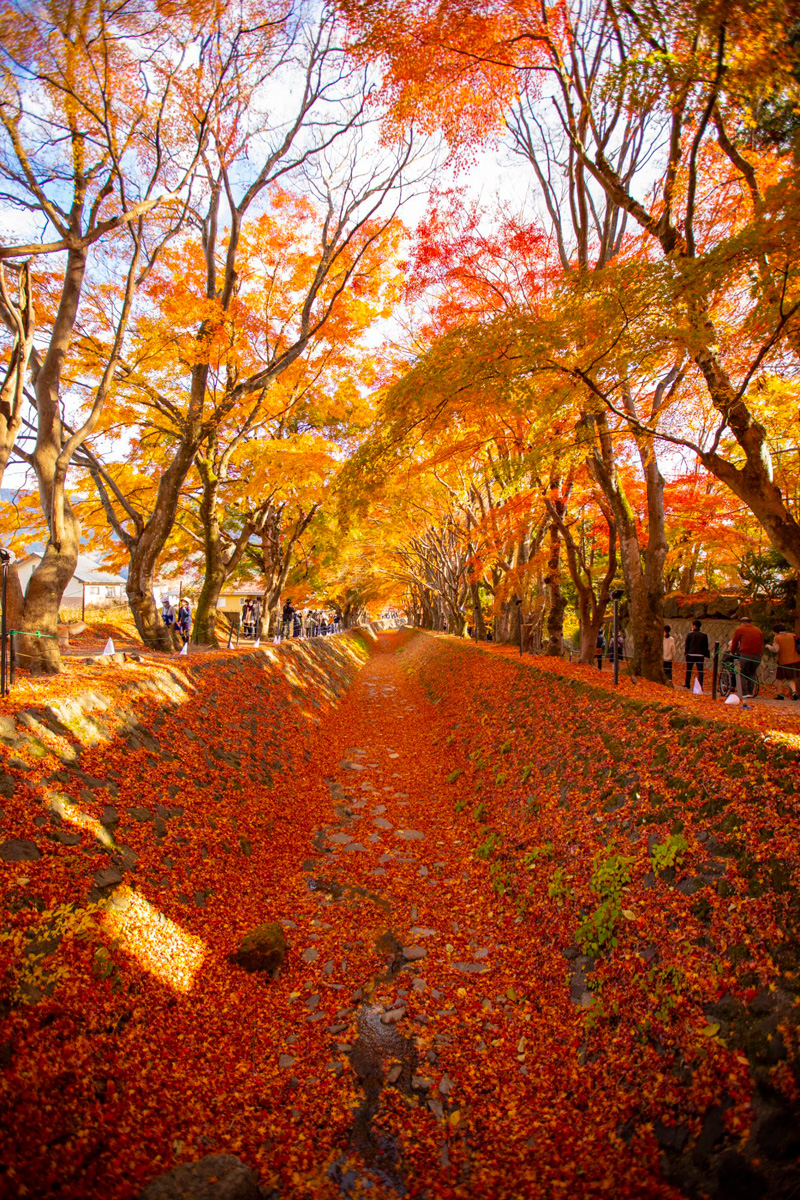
[(442, 1034)]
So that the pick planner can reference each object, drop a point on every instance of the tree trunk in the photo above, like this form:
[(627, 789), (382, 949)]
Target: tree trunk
[(555, 615), (644, 585), (590, 627), (49, 579), (146, 549), (204, 623), (477, 613), (42, 599)]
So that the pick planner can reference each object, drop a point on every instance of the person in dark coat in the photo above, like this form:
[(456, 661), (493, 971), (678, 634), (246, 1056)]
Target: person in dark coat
[(600, 649), (184, 620), (697, 651), (287, 620)]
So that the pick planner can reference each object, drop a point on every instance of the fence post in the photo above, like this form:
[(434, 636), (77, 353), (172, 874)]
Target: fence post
[(519, 612), (715, 671), (4, 625), (616, 647)]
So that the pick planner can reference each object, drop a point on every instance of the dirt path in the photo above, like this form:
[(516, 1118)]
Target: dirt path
[(462, 1032)]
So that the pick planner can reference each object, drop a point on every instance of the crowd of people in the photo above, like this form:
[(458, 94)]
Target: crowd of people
[(615, 648), (747, 647), (297, 623)]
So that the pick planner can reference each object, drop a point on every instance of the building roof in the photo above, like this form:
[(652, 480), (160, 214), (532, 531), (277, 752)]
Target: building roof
[(86, 571)]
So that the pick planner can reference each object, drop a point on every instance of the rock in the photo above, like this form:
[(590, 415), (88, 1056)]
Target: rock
[(141, 814), (310, 955), (471, 968), (8, 730), (393, 1015), (285, 1061), (108, 878), (7, 785), (779, 1136), (413, 953), (263, 949), (19, 851), (67, 839), (216, 1177), (738, 1180), (410, 835)]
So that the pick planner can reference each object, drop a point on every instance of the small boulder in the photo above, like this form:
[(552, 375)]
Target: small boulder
[(108, 878), (215, 1177), (19, 850), (262, 949)]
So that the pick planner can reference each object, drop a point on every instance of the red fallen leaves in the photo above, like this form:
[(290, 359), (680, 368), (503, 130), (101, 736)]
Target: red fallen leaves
[(118, 1073)]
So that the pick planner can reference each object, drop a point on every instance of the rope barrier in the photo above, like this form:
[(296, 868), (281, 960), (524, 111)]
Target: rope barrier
[(32, 633)]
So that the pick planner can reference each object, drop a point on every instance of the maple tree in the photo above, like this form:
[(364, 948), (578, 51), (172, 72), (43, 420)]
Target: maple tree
[(253, 293), (641, 69), (91, 150)]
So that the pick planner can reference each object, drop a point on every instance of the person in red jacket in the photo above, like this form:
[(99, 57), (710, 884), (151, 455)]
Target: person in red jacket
[(748, 643)]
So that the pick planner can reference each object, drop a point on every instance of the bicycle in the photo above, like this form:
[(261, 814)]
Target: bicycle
[(730, 672)]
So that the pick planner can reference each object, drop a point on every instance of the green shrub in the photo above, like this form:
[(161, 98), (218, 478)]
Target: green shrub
[(610, 875), (669, 853)]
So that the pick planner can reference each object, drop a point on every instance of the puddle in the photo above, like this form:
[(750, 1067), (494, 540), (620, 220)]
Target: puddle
[(379, 1053)]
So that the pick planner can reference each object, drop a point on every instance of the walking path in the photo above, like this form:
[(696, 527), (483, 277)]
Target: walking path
[(460, 1028)]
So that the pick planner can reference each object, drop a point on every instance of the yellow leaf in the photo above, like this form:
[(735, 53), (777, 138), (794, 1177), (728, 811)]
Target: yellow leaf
[(711, 1030), (629, 914), (455, 1117)]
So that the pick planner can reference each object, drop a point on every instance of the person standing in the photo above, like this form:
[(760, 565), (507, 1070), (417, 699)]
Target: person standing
[(748, 643), (785, 645), (669, 652), (257, 618), (184, 620), (697, 651), (287, 620), (616, 648), (600, 649), (167, 612)]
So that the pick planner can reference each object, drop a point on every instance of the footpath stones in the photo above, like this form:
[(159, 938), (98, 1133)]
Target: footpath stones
[(262, 950), (216, 1177)]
